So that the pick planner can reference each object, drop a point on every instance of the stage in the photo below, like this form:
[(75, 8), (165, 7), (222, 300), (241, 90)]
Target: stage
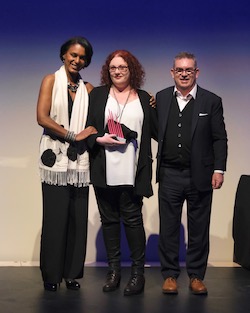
[(21, 290)]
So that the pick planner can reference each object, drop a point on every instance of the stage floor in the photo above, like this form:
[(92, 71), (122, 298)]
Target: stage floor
[(21, 291)]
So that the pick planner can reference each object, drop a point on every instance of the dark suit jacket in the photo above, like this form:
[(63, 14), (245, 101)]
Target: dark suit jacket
[(209, 137), (97, 103)]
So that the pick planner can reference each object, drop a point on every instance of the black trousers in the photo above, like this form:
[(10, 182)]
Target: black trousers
[(116, 205), (64, 232), (175, 186)]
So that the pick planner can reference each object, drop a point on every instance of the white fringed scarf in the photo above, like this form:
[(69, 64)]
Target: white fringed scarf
[(64, 171)]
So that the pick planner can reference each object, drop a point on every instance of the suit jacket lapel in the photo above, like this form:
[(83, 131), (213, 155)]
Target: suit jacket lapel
[(197, 109), (165, 112)]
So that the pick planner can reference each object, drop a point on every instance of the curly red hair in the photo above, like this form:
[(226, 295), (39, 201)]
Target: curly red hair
[(137, 73)]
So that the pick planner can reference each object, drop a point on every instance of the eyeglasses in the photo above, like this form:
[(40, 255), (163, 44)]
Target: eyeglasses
[(188, 71), (121, 68)]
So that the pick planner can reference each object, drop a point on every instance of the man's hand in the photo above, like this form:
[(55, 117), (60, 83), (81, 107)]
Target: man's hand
[(152, 101), (217, 180)]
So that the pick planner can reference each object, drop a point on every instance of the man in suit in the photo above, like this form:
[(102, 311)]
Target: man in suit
[(191, 160)]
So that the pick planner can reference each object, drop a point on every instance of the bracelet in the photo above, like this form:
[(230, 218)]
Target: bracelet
[(70, 136)]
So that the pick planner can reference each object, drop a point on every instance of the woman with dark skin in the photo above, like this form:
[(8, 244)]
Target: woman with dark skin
[(121, 162), (64, 166)]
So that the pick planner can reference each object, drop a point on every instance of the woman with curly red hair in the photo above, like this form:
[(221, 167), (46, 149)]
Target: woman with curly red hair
[(121, 162)]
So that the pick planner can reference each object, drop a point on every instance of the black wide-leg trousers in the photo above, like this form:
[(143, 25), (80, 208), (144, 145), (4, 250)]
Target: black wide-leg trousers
[(64, 232)]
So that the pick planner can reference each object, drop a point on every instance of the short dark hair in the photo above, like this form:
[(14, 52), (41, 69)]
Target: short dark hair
[(81, 41), (137, 73), (185, 55)]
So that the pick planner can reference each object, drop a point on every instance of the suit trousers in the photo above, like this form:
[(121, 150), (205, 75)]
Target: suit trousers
[(64, 232), (118, 204), (175, 187)]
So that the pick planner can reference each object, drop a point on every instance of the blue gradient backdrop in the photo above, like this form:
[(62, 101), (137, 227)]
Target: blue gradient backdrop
[(31, 33)]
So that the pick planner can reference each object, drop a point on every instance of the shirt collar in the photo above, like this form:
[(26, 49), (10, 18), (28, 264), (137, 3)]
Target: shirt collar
[(192, 93)]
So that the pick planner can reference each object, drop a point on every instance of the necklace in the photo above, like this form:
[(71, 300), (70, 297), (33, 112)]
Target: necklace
[(119, 115), (73, 88)]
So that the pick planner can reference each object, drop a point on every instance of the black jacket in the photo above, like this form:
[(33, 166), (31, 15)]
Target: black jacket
[(97, 103), (208, 135)]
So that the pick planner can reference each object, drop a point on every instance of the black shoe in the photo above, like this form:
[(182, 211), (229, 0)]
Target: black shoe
[(72, 284), (135, 285), (50, 287), (112, 281)]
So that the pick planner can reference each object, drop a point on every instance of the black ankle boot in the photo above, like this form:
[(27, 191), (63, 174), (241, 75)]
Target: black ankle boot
[(135, 285), (112, 282), (72, 284)]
